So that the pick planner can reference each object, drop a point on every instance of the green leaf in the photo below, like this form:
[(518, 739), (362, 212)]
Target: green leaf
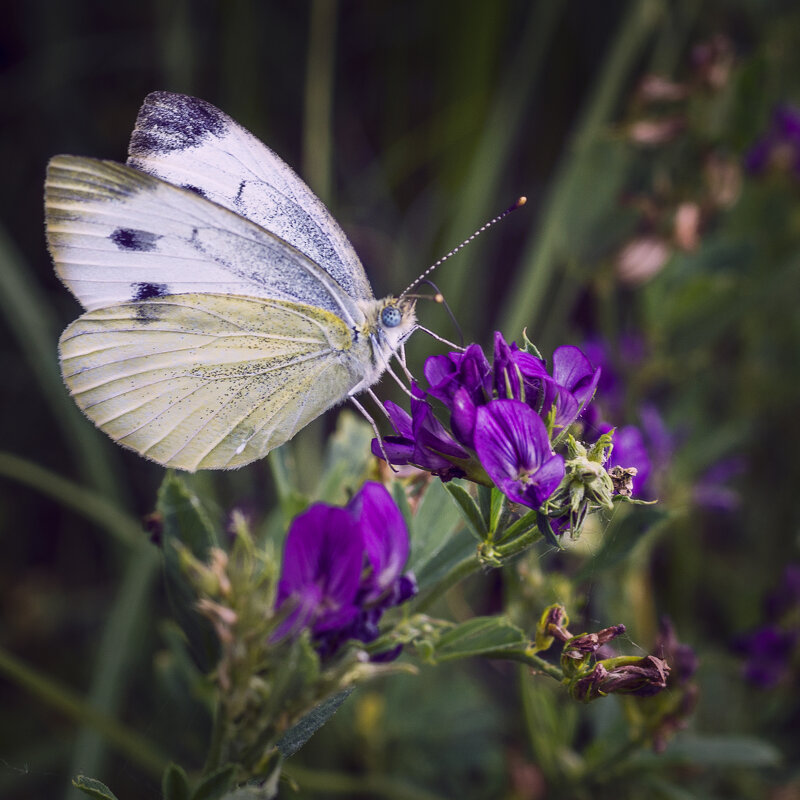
[(186, 522), (498, 506), (93, 788), (184, 517), (479, 636), (346, 460), (469, 510), (301, 732), (485, 503), (175, 784), (215, 785), (432, 527)]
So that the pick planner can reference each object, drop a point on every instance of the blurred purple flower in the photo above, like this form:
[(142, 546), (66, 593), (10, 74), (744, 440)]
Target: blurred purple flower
[(514, 449), (772, 651), (780, 145), (769, 651), (710, 490), (342, 568)]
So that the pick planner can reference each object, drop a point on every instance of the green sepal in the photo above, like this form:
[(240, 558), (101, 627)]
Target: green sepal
[(216, 785), (175, 783), (302, 731), (485, 503), (543, 524), (469, 510), (498, 506), (93, 788)]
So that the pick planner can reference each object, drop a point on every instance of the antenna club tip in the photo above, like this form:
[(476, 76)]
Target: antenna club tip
[(521, 202)]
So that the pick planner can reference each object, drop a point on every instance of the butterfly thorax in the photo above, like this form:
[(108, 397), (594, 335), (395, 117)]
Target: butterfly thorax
[(387, 324)]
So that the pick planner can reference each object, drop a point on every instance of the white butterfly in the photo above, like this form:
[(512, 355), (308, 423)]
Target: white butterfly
[(225, 308)]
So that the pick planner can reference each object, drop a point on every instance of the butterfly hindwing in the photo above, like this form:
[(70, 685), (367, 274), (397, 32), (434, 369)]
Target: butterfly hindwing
[(190, 143), (208, 381), (119, 235)]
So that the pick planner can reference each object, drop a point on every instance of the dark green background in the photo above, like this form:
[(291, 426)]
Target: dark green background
[(416, 122)]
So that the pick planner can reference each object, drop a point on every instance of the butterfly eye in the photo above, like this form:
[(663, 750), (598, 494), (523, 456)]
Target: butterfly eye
[(391, 317)]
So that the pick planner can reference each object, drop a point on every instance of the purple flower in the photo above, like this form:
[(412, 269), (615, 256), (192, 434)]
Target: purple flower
[(630, 451), (421, 440), (342, 568), (710, 490), (780, 145), (773, 649), (322, 561), (769, 652), (514, 449)]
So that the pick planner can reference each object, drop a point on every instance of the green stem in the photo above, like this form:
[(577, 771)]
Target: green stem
[(523, 542), (529, 658), (528, 296), (460, 571), (525, 521), (87, 502), (139, 750), (319, 97), (214, 756)]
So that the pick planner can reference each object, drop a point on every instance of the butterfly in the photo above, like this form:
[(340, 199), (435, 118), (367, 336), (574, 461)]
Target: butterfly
[(224, 306)]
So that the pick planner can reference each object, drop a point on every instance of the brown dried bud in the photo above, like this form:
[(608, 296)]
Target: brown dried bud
[(622, 478)]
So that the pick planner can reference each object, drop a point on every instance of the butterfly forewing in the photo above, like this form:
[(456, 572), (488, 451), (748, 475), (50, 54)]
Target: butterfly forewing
[(118, 235), (190, 143), (208, 381)]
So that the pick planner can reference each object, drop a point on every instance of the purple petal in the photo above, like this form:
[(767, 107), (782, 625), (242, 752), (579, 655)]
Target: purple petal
[(322, 561), (463, 416), (400, 419), (573, 370), (513, 447), (385, 535)]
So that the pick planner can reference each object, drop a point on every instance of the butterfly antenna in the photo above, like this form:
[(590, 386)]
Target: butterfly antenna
[(520, 202), (439, 298)]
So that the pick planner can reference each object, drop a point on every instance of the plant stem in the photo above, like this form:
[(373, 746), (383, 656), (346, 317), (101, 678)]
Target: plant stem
[(460, 571), (528, 296), (130, 744)]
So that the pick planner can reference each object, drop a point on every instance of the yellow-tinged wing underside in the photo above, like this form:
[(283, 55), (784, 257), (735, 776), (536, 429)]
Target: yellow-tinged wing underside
[(204, 381)]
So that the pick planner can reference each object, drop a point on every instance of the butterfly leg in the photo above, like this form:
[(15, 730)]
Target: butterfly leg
[(371, 421)]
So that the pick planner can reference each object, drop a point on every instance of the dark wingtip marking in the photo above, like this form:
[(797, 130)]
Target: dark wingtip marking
[(144, 291), (196, 189), (169, 122), (133, 239)]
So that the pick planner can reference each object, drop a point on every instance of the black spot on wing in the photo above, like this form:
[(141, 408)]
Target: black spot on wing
[(196, 189), (168, 122), (133, 239), (144, 291)]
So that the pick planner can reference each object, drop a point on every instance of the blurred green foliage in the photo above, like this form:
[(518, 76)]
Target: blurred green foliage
[(416, 122)]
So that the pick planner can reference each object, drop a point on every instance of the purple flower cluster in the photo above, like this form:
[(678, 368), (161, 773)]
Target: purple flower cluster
[(342, 568), (780, 145), (501, 418)]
